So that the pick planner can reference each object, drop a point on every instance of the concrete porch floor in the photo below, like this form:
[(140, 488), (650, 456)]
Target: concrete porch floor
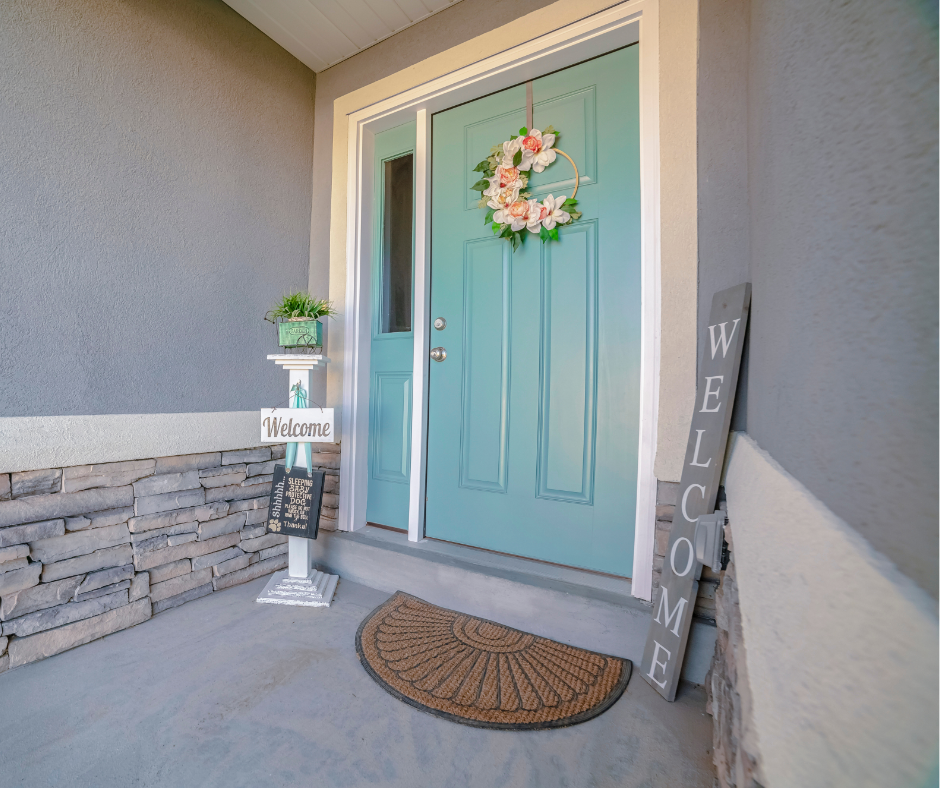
[(226, 692)]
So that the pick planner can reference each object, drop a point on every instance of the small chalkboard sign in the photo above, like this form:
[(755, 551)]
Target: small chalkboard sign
[(294, 508)]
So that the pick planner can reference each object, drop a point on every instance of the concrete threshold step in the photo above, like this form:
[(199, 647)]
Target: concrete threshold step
[(573, 606)]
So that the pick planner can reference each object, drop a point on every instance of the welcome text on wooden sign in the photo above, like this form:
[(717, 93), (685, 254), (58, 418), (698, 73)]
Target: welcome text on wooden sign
[(701, 475)]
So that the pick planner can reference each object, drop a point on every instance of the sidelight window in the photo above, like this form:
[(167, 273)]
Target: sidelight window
[(397, 244)]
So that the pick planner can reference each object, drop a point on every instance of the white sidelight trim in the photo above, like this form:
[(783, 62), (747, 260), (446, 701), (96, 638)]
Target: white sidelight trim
[(611, 29), (645, 535), (354, 460), (420, 323)]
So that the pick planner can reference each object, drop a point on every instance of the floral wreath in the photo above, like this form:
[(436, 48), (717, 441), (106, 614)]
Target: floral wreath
[(504, 182)]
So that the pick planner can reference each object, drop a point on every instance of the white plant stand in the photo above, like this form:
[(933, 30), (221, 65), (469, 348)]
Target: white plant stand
[(299, 584)]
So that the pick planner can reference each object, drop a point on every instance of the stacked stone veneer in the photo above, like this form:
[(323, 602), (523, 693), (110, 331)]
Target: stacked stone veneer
[(729, 702), (666, 497), (89, 550)]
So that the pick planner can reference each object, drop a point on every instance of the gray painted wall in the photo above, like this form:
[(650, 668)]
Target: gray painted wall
[(841, 235), (156, 192), (448, 28)]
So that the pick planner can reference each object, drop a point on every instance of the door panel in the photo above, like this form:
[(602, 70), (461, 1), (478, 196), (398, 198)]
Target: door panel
[(392, 427), (575, 115), (567, 379), (534, 414), (484, 427), (392, 352)]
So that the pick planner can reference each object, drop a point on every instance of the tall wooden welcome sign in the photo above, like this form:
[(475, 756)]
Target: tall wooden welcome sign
[(701, 475)]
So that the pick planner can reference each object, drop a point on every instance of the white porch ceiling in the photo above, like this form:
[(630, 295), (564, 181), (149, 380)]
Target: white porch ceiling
[(321, 33)]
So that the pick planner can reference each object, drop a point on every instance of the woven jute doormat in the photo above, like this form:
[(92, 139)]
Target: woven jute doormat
[(480, 673)]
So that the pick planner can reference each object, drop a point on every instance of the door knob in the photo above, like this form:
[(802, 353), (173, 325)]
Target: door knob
[(440, 324), (438, 353)]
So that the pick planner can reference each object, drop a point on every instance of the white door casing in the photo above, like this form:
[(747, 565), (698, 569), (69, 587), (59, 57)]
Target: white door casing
[(621, 25)]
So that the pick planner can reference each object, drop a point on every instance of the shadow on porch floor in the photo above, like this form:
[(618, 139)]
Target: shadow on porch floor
[(225, 692)]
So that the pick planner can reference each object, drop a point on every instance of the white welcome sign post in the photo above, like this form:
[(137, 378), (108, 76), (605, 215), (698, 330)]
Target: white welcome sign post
[(299, 584)]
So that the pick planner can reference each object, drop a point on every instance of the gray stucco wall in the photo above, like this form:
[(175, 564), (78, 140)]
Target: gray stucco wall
[(156, 192), (448, 28), (723, 210), (841, 235)]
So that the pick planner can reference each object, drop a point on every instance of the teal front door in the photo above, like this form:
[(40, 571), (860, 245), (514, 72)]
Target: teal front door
[(392, 347), (534, 413)]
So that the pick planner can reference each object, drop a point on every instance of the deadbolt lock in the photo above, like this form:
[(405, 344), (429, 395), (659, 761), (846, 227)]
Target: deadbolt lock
[(440, 324)]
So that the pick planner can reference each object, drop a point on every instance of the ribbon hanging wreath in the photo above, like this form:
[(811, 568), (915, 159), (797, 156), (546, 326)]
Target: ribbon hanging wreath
[(512, 209)]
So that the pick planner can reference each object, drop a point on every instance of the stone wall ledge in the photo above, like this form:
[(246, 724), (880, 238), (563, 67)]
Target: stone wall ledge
[(89, 550)]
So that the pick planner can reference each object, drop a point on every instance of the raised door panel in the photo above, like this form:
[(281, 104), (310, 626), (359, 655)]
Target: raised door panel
[(574, 116), (484, 428), (568, 366), (390, 427)]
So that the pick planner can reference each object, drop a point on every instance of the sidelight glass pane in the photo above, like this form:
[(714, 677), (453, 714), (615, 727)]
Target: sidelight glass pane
[(397, 244)]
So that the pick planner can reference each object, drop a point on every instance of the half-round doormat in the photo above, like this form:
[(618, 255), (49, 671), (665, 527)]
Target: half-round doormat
[(484, 674)]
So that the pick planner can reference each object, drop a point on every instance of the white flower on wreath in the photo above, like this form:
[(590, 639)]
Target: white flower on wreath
[(552, 212), (509, 150), (537, 212), (536, 151), (502, 200)]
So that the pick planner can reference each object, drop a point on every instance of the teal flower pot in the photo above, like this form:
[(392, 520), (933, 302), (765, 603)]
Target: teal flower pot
[(299, 332)]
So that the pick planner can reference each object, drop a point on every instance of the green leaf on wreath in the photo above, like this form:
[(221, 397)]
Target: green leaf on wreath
[(496, 226), (553, 233), (523, 131), (480, 185), (575, 215), (569, 203), (517, 159), (489, 216), (550, 130), (544, 235)]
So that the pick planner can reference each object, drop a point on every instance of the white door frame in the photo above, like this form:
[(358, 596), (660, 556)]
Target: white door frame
[(621, 25)]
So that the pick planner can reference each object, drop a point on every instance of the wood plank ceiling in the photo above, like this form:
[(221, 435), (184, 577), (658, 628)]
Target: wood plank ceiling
[(321, 33)]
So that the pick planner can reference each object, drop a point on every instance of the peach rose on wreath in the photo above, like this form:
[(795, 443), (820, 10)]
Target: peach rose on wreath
[(536, 151), (519, 214), (506, 179)]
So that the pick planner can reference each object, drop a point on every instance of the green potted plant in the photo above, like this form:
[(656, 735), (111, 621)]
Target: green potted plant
[(297, 318)]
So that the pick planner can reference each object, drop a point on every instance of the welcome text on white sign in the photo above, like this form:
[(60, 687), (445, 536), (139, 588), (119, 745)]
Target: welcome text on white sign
[(297, 425)]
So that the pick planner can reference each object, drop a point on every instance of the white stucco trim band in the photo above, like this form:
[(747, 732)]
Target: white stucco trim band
[(841, 647), (36, 442), (595, 35)]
